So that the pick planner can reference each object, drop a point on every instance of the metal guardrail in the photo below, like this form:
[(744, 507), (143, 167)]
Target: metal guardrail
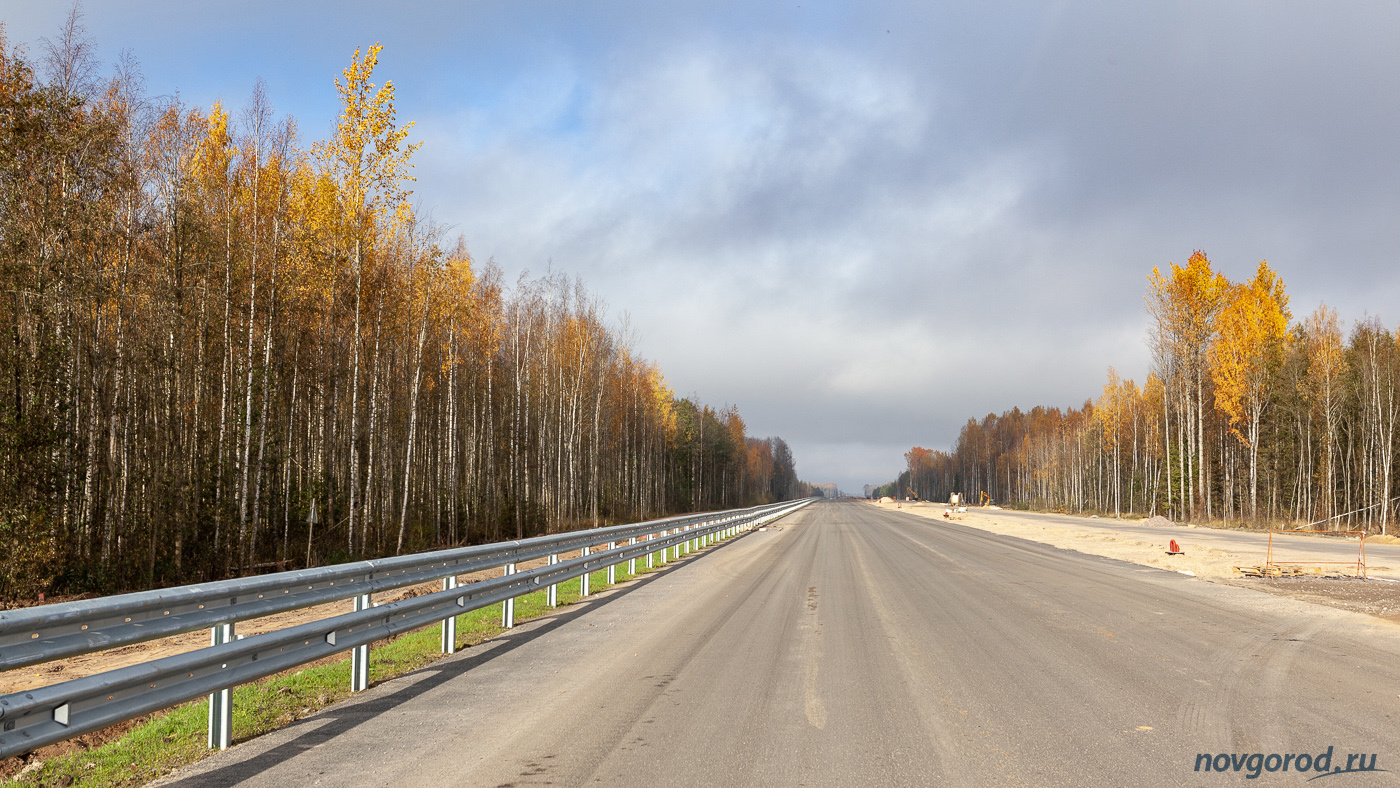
[(30, 636)]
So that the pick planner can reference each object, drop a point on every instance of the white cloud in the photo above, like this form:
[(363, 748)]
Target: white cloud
[(860, 238), (779, 226)]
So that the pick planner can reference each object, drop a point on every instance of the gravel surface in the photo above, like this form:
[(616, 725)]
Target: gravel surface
[(1374, 597)]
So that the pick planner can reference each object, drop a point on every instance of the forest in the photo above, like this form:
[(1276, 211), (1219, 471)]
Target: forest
[(1247, 418), (225, 351)]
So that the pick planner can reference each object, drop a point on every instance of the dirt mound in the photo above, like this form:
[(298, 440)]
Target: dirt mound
[(1158, 521), (1387, 539)]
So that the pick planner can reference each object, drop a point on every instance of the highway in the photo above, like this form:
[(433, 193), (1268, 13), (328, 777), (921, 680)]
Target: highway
[(856, 647)]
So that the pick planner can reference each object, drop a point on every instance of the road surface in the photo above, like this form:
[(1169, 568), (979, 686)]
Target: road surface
[(860, 647)]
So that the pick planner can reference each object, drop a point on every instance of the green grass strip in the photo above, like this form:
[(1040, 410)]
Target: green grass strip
[(177, 737)]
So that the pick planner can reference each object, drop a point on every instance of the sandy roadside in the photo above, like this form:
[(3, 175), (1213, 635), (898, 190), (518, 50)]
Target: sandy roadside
[(1206, 556), (1203, 556)]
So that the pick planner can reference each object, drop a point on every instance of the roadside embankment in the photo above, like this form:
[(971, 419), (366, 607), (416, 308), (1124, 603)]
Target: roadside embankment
[(1208, 553)]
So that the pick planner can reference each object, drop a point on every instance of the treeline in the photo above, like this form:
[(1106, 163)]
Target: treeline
[(1247, 416), (226, 352)]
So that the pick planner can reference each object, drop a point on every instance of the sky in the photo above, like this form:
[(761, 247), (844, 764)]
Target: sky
[(861, 223)]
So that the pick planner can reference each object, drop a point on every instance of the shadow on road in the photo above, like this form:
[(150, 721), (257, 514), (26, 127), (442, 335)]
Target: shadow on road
[(335, 720)]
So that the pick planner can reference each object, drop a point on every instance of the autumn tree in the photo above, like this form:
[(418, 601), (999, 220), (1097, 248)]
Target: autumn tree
[(211, 333), (1324, 389), (1253, 328), (1183, 306), (1375, 354), (1276, 391), (368, 157)]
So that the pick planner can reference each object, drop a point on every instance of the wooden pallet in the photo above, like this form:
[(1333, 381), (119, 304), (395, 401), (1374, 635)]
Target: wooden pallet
[(1276, 571)]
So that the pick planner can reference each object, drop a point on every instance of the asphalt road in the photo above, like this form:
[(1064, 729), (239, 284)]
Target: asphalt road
[(858, 647)]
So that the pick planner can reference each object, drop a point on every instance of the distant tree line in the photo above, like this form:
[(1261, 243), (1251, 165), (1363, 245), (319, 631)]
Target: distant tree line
[(211, 331), (1247, 417)]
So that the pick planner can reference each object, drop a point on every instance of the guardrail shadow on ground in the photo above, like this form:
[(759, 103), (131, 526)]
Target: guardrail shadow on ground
[(344, 717), (30, 636)]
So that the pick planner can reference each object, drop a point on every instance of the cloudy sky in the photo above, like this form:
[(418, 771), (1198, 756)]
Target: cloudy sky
[(861, 223)]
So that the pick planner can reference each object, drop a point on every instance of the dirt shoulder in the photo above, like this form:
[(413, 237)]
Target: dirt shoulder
[(1204, 555)]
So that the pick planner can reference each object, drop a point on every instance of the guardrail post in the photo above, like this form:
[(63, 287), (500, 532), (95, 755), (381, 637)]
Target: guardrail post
[(221, 702), (215, 606), (551, 594), (583, 579), (508, 606), (359, 655), (449, 624)]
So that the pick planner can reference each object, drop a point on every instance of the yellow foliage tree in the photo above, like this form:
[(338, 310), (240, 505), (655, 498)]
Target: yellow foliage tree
[(369, 160), (1324, 390), (368, 155), (1185, 306), (1253, 330)]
